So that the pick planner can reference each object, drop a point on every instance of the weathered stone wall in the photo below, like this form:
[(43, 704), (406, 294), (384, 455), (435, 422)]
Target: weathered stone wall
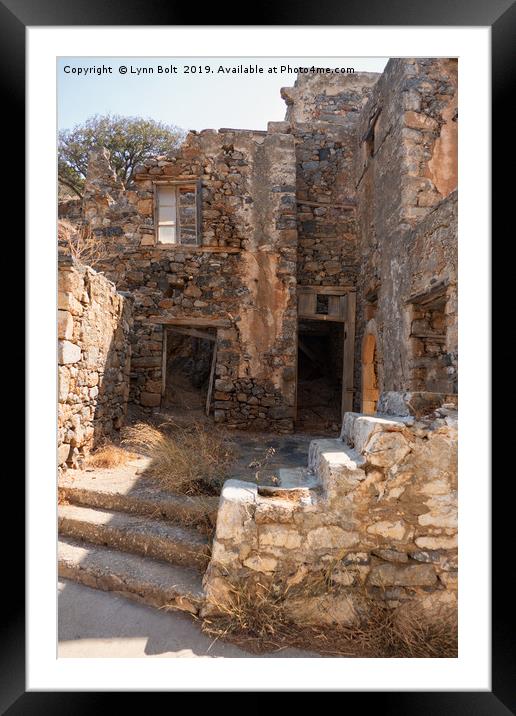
[(354, 188), (327, 236), (406, 173), (375, 516), (94, 322), (322, 114), (330, 97), (242, 278)]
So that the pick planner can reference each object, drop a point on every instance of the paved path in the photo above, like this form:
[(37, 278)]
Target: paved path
[(102, 624)]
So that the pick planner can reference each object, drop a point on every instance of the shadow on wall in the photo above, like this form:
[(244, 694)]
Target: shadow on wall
[(94, 359)]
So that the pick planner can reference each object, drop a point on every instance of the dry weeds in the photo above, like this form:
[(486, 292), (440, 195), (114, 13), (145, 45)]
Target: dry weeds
[(190, 460), (258, 621), (81, 243), (109, 455)]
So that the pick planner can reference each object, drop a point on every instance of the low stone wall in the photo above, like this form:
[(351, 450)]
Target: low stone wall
[(374, 516), (94, 359)]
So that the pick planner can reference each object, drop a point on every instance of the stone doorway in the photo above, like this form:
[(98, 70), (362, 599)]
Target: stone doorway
[(319, 375), (189, 355)]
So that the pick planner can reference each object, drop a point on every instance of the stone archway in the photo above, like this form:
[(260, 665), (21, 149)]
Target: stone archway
[(370, 391)]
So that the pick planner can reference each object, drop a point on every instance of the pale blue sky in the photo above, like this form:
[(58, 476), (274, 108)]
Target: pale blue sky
[(191, 101)]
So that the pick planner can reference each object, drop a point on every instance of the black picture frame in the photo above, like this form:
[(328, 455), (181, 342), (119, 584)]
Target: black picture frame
[(500, 15)]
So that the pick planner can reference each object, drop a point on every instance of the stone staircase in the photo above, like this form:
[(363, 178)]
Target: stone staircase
[(118, 534)]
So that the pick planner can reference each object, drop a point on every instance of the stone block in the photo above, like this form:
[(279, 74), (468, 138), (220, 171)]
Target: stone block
[(145, 207), (67, 302), (437, 542), (64, 325), (271, 535), (323, 609), (358, 429), (443, 512), (392, 575), (63, 383), (261, 563), (391, 555), (147, 240), (331, 537), (236, 510), (386, 449), (63, 452), (68, 352), (338, 466), (398, 530)]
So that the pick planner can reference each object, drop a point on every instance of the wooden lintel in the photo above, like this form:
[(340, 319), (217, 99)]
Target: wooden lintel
[(185, 248), (437, 337), (201, 322), (347, 205), (166, 178), (320, 317), (195, 332), (434, 292), (326, 290)]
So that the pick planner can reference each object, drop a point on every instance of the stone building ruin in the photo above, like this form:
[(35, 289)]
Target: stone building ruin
[(305, 277)]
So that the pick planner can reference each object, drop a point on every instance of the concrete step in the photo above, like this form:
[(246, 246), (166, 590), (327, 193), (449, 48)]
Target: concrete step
[(336, 465), (141, 535), (145, 580), (127, 491), (294, 482)]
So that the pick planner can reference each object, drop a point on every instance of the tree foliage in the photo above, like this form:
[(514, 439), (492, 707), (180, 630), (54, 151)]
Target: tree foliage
[(130, 140)]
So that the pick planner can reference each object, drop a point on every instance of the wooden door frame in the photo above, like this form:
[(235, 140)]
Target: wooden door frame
[(348, 353)]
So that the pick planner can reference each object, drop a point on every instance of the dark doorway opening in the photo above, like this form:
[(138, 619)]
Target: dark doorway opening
[(189, 366), (319, 375)]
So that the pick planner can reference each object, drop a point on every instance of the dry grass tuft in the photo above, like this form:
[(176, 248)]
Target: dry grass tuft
[(109, 456), (191, 460), (258, 621)]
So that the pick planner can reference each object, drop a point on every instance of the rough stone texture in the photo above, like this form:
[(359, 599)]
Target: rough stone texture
[(385, 528), (242, 275), (354, 190), (156, 538), (323, 114), (336, 98), (158, 584), (94, 322), (406, 176), (125, 490)]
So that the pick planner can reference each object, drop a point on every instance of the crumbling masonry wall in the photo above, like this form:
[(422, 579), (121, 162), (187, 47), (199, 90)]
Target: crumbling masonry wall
[(374, 518), (94, 322), (241, 279), (406, 179), (322, 115)]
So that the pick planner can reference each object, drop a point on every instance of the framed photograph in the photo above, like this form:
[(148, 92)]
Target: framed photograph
[(257, 258)]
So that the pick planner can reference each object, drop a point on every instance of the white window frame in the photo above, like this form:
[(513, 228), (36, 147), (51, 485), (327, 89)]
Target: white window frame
[(177, 186)]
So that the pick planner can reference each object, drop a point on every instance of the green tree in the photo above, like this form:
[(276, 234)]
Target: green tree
[(130, 140)]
